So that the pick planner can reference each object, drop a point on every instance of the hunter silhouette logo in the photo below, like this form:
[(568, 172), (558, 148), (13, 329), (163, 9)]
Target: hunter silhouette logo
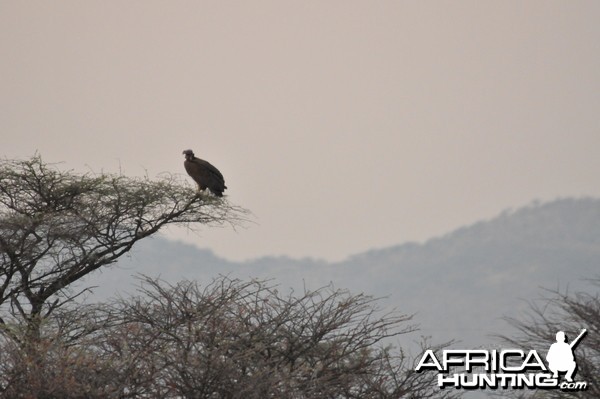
[(506, 368), (560, 355)]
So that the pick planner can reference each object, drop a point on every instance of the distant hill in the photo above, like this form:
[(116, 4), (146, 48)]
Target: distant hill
[(460, 285)]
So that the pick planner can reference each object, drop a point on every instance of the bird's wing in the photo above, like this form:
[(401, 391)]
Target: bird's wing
[(209, 167), (204, 173)]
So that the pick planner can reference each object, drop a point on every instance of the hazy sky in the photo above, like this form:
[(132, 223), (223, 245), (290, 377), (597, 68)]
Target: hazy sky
[(342, 125)]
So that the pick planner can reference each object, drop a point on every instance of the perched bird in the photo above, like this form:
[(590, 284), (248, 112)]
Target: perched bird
[(204, 174)]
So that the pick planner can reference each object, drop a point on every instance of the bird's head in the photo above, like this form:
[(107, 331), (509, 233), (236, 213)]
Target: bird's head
[(189, 154)]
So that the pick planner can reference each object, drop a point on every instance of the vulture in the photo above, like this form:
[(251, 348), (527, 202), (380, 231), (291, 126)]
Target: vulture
[(204, 174)]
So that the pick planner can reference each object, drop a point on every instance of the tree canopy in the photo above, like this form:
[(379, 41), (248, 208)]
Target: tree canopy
[(223, 339), (58, 226)]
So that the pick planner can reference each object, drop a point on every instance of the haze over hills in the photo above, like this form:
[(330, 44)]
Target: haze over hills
[(460, 285)]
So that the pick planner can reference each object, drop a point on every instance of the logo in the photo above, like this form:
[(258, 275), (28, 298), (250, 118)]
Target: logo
[(507, 368)]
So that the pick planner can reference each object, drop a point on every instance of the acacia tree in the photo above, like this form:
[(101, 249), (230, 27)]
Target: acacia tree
[(233, 339), (568, 312), (56, 227), (229, 339)]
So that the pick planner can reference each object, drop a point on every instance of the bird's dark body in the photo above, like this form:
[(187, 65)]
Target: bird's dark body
[(204, 174)]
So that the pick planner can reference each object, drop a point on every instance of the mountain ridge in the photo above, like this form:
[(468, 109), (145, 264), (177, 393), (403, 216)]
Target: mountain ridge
[(460, 284)]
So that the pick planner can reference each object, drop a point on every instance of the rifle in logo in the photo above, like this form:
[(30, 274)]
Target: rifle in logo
[(560, 355)]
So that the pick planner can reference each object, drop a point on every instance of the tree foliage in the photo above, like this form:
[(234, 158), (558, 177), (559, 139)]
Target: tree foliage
[(568, 312), (56, 227), (226, 339)]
